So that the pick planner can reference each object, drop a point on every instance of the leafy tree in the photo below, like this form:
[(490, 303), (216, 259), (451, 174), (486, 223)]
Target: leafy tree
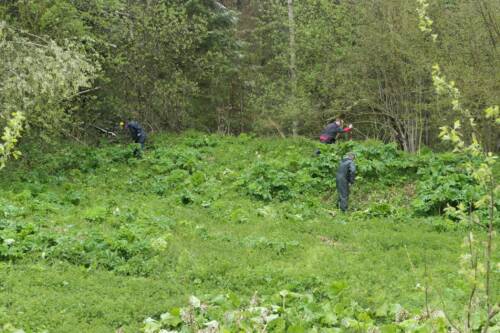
[(482, 307), (227, 65), (37, 77)]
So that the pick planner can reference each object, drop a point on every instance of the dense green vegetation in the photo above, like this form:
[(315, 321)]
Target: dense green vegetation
[(225, 228), (95, 239)]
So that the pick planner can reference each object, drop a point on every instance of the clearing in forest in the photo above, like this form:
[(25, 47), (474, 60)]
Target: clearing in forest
[(95, 240)]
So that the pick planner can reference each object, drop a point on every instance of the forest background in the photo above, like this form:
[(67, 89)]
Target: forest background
[(269, 67)]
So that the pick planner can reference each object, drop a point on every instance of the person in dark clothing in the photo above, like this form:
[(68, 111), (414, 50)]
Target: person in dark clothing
[(137, 133), (329, 134), (346, 175)]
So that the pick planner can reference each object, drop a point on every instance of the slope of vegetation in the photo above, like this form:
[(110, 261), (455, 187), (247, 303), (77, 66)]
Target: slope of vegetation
[(210, 233), (94, 240)]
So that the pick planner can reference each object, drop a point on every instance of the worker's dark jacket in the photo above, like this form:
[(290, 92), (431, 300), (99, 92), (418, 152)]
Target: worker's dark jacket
[(329, 134), (346, 175), (136, 132), (347, 170)]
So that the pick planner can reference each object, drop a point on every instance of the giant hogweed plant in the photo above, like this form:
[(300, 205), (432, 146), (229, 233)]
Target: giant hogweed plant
[(288, 311), (481, 309)]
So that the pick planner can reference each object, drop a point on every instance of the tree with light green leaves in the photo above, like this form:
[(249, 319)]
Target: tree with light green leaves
[(477, 263), (37, 79)]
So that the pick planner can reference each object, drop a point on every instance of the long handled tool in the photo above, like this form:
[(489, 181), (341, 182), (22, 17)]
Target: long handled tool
[(104, 130)]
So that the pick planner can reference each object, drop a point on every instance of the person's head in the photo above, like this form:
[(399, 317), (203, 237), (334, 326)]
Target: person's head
[(351, 156), (122, 124)]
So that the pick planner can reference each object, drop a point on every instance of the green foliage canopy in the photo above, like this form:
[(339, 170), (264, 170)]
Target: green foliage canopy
[(37, 77)]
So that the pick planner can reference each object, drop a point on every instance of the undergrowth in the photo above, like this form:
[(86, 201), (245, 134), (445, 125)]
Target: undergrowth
[(210, 215)]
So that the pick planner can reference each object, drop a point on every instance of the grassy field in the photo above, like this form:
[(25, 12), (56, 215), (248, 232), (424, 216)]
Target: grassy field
[(94, 240)]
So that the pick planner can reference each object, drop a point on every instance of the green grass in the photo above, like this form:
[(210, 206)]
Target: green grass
[(113, 240)]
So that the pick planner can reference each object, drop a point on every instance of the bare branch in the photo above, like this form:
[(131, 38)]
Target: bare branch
[(104, 130), (84, 92)]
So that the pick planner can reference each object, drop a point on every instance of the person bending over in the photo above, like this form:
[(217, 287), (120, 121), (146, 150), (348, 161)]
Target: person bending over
[(137, 134), (332, 130)]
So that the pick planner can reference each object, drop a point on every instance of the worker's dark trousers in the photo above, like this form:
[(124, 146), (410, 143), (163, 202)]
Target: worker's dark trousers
[(140, 140), (343, 192)]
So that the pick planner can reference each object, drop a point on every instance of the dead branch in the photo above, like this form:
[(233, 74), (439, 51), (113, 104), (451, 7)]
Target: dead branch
[(104, 130)]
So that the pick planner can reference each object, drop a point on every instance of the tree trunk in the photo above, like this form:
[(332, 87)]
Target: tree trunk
[(293, 75), (291, 24)]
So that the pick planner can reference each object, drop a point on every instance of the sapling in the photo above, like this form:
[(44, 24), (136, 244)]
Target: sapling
[(472, 269)]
